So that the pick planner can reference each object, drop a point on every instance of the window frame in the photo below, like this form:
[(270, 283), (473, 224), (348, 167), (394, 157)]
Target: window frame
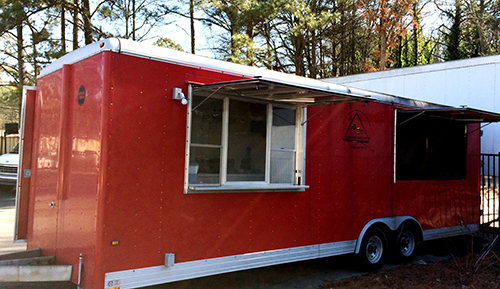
[(250, 186)]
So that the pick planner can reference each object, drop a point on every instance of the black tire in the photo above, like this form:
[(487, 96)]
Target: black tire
[(373, 249), (406, 244)]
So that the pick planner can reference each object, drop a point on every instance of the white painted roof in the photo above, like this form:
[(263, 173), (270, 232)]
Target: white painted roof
[(414, 70)]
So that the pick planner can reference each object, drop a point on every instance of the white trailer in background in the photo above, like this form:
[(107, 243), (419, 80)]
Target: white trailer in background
[(474, 82)]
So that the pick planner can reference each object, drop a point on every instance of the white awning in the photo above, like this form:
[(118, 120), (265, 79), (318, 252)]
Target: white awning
[(276, 91)]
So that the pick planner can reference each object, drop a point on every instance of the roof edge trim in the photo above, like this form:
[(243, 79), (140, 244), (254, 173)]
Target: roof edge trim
[(111, 44)]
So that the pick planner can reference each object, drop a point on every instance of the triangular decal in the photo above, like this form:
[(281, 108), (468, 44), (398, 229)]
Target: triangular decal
[(356, 131)]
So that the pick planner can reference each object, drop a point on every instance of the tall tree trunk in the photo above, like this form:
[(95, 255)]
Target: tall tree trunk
[(126, 17), (313, 68), (63, 29), (268, 63), (383, 45), (34, 55), (191, 20), (399, 61), (298, 45), (86, 22), (133, 20), (415, 34), (480, 32), (415, 47), (20, 58), (76, 9), (406, 48), (250, 45), (352, 39), (343, 45)]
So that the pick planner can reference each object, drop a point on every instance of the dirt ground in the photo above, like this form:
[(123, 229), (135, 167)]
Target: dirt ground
[(469, 267)]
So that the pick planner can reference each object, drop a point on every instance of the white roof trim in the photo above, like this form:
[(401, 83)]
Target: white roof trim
[(138, 49), (172, 56), (112, 44)]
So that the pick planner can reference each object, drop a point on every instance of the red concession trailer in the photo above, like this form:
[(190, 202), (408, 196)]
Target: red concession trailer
[(155, 166)]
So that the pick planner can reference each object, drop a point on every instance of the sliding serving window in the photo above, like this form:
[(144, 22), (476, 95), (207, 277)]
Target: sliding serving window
[(283, 151), (206, 141), (242, 145)]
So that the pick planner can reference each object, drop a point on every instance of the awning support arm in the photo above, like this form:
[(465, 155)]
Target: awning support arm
[(315, 114), (411, 118), (479, 128), (206, 98)]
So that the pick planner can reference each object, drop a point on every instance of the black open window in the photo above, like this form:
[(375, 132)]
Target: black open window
[(431, 143), (430, 148)]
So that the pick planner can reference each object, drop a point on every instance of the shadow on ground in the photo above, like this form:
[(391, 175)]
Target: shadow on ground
[(312, 274)]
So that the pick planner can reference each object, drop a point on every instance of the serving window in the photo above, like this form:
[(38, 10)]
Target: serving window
[(236, 144), (430, 148)]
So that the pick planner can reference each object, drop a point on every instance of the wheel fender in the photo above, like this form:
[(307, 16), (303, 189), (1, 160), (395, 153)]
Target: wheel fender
[(392, 223)]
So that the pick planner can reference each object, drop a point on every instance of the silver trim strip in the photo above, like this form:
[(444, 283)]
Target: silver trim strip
[(200, 268), (450, 231), (194, 269)]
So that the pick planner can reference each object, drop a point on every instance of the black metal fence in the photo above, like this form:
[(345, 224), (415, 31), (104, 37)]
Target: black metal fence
[(490, 201)]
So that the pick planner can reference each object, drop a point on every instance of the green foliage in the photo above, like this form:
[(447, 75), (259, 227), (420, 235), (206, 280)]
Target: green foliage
[(405, 55), (9, 105), (313, 38), (453, 38), (130, 19), (168, 43)]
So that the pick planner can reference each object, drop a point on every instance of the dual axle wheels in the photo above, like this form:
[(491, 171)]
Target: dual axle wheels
[(375, 247)]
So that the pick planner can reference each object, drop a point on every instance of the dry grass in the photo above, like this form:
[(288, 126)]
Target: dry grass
[(481, 270)]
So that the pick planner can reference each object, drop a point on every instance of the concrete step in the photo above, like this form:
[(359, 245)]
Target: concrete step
[(49, 260), (29, 266), (22, 254), (38, 285), (41, 273)]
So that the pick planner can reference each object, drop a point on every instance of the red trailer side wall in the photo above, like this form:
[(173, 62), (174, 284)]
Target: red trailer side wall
[(349, 168), (67, 157), (147, 212), (118, 176), (444, 203)]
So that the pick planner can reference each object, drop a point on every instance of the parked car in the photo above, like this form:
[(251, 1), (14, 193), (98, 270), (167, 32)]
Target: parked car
[(8, 167)]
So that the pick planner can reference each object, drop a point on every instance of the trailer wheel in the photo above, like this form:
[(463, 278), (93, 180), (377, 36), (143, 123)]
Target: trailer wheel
[(373, 249), (406, 244)]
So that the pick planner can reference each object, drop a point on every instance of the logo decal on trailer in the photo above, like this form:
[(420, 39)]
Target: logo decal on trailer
[(81, 95), (356, 131)]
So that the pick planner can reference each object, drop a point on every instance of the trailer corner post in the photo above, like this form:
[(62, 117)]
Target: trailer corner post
[(64, 133), (107, 98)]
